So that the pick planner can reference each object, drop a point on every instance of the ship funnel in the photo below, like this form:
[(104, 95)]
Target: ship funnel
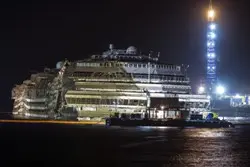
[(111, 46)]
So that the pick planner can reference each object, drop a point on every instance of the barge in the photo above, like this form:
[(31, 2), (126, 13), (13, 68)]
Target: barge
[(182, 123)]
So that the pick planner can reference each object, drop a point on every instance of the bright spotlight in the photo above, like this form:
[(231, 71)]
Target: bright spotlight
[(201, 90), (211, 35), (237, 96), (212, 26), (211, 14), (211, 55), (210, 44), (220, 90)]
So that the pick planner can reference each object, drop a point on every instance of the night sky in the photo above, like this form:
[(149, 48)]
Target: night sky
[(37, 35)]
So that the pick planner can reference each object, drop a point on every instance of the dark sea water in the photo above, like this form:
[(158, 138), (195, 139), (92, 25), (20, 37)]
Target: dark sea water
[(81, 145)]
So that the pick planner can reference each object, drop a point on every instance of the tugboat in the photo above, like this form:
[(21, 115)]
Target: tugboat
[(194, 121)]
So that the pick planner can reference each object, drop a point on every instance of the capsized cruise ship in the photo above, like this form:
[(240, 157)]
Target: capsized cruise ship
[(118, 81)]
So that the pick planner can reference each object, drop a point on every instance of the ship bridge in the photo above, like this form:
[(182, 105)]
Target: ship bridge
[(129, 54)]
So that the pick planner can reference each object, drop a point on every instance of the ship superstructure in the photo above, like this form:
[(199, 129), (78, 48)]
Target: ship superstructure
[(117, 81)]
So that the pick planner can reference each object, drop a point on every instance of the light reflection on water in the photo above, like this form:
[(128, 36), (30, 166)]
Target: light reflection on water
[(196, 147), (212, 147), (206, 133), (147, 146)]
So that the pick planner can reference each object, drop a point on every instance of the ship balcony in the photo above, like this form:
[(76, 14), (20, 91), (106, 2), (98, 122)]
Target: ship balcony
[(35, 99)]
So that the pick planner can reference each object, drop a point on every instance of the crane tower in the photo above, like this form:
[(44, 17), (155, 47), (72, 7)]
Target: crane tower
[(211, 49)]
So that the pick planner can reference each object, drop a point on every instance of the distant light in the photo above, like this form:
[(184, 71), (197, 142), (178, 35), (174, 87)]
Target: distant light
[(210, 43), (201, 90), (211, 55), (209, 97), (211, 35), (220, 90), (211, 14), (212, 26), (237, 96)]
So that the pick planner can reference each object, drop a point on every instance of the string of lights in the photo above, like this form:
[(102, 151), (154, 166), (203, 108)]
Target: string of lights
[(211, 49)]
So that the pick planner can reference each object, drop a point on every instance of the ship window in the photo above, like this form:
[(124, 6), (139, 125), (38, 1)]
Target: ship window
[(142, 102), (139, 65), (105, 101), (134, 102), (126, 65), (125, 102), (144, 65), (135, 65), (130, 65), (109, 101), (70, 100), (89, 101)]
